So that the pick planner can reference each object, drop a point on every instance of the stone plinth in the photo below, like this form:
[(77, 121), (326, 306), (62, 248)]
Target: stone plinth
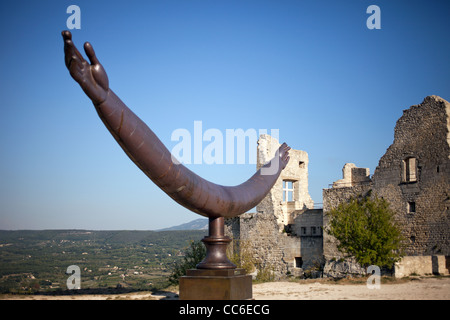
[(216, 284)]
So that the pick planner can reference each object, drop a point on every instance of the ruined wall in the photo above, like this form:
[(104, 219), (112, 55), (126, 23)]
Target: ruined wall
[(259, 232), (352, 176), (295, 171), (271, 232), (422, 265), (282, 253), (414, 176), (308, 226)]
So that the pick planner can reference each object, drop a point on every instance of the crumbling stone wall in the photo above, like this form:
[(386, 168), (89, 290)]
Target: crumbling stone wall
[(414, 177), (272, 231), (279, 252), (261, 234), (308, 226), (353, 176), (295, 171), (422, 202)]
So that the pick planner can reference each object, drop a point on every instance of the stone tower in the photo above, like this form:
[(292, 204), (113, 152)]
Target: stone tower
[(285, 234), (290, 192)]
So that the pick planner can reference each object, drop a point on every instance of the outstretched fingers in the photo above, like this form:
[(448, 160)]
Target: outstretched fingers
[(71, 52), (97, 69), (72, 57), (91, 53)]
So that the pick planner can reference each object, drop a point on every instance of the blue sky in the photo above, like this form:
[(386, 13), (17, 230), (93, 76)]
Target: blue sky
[(311, 69)]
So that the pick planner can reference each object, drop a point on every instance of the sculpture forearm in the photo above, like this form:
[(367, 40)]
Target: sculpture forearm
[(193, 192)]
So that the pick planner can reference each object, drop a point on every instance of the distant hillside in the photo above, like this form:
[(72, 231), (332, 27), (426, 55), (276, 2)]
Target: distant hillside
[(160, 238), (37, 260), (198, 224)]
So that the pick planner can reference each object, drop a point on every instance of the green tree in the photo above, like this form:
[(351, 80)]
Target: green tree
[(194, 254), (365, 229)]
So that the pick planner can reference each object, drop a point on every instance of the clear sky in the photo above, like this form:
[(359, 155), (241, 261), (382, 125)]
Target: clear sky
[(311, 69)]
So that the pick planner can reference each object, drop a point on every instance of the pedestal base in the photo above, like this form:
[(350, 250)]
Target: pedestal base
[(216, 284)]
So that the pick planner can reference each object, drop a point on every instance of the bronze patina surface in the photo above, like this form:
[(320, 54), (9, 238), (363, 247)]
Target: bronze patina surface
[(145, 149)]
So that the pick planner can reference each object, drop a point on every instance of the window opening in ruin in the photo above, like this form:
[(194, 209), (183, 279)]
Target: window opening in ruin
[(288, 190), (313, 230), (301, 164), (410, 169), (411, 207), (303, 231), (298, 262)]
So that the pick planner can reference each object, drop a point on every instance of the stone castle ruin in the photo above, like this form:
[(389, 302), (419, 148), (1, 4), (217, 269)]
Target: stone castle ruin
[(285, 233), (413, 175)]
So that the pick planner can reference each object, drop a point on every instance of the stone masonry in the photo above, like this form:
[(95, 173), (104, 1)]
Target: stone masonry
[(286, 234), (414, 177), (295, 173)]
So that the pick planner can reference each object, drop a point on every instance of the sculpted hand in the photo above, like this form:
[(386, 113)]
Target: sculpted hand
[(91, 77), (284, 155)]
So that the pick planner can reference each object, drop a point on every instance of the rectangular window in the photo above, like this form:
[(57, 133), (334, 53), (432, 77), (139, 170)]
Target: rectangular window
[(410, 170), (303, 231), (411, 207), (288, 190), (298, 262), (313, 230)]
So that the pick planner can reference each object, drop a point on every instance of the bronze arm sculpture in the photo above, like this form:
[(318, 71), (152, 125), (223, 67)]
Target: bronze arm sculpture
[(155, 160)]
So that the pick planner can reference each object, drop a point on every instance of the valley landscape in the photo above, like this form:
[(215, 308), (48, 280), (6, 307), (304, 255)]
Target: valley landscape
[(37, 261), (135, 265)]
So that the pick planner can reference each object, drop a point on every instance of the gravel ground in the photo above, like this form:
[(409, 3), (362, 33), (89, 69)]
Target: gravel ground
[(432, 288)]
